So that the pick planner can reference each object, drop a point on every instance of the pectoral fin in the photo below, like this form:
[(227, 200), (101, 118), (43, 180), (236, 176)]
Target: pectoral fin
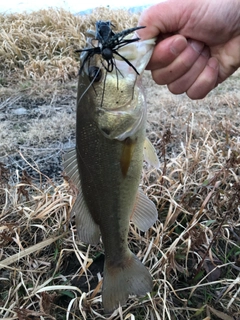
[(145, 212), (88, 230), (127, 153), (150, 155)]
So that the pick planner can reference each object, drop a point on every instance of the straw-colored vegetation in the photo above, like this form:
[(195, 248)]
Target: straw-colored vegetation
[(193, 251), (42, 44)]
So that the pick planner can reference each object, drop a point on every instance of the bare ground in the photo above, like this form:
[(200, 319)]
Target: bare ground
[(39, 125)]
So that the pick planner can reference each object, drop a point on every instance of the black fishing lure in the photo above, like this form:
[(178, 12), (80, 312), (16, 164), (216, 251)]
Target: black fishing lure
[(109, 43)]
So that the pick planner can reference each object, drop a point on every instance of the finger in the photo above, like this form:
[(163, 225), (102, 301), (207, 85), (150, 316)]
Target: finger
[(166, 52), (180, 65), (161, 18), (183, 83), (228, 55), (206, 81)]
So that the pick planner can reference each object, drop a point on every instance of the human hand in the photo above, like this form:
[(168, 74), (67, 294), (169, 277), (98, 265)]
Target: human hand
[(198, 43)]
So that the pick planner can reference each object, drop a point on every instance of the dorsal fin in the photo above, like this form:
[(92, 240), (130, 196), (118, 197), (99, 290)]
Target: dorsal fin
[(70, 165), (88, 230)]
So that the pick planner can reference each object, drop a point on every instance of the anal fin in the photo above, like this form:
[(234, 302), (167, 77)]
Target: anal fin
[(145, 212)]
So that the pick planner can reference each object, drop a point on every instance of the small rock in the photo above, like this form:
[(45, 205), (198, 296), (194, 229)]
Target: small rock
[(20, 111)]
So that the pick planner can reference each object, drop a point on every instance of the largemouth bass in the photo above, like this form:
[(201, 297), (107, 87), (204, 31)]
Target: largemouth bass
[(107, 163)]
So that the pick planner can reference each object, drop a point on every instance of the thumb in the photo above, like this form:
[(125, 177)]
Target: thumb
[(164, 17)]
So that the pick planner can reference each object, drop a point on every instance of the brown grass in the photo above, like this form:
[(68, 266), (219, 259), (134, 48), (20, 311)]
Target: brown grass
[(192, 251), (42, 45)]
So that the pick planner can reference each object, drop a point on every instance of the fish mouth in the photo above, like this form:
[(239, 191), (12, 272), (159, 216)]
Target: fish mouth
[(117, 102)]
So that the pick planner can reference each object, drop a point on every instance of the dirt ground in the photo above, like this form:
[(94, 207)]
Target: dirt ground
[(40, 128), (37, 126)]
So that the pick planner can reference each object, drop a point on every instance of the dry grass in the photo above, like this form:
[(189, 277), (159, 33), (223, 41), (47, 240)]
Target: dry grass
[(41, 45), (192, 251)]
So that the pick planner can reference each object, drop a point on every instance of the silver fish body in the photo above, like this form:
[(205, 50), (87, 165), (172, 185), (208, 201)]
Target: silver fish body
[(106, 167)]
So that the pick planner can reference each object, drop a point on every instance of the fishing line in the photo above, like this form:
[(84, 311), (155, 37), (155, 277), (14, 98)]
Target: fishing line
[(104, 84), (90, 84)]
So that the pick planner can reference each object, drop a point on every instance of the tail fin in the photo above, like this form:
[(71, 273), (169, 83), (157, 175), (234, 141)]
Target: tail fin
[(120, 281)]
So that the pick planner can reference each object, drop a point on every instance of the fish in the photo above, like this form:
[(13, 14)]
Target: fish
[(107, 162)]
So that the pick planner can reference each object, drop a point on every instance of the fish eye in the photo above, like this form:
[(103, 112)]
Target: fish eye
[(94, 73)]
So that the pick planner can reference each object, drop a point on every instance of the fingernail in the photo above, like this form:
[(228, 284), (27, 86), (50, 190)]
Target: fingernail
[(213, 63), (178, 45), (196, 45)]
